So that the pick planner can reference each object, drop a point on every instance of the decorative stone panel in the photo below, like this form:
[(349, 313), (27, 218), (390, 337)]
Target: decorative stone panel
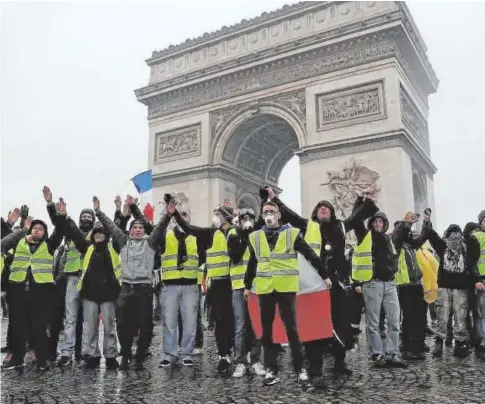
[(413, 120), (351, 106), (176, 144)]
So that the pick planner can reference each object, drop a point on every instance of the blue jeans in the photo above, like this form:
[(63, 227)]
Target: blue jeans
[(91, 312), (481, 317), (379, 294), (176, 299)]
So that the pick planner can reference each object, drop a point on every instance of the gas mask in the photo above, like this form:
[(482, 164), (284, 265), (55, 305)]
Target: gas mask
[(216, 221), (248, 224), (270, 220)]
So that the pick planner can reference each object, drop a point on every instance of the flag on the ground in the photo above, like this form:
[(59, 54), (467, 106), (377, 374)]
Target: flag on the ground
[(313, 314), (143, 184)]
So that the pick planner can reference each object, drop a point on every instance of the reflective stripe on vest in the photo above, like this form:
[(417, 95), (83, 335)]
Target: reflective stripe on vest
[(200, 274), (239, 270), (402, 274), (362, 268), (217, 261), (74, 263), (2, 263), (480, 236), (277, 269), (190, 269), (40, 263), (313, 237), (115, 261)]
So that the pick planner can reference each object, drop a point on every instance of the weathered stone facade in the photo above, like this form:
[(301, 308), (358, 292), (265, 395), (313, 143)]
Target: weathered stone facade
[(341, 84)]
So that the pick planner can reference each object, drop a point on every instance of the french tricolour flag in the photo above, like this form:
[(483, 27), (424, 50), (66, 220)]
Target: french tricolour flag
[(143, 184), (313, 314)]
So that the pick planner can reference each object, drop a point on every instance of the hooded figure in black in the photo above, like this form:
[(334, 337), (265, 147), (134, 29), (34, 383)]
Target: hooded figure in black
[(30, 290), (332, 251)]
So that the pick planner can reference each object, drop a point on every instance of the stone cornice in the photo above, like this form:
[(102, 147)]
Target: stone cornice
[(380, 141), (264, 18)]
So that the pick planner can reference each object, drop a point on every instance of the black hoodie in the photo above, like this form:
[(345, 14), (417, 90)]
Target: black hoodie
[(333, 233), (473, 251), (457, 278)]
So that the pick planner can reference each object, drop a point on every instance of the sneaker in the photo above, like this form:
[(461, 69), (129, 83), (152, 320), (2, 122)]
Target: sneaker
[(111, 363), (378, 361), (139, 366), (303, 379), (395, 361), (187, 362), (64, 361), (197, 351), (240, 370), (165, 364), (125, 363), (12, 364), (259, 369), (224, 363), (271, 378)]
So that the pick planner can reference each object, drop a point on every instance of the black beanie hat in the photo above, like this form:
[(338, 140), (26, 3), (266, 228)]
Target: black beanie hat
[(136, 221)]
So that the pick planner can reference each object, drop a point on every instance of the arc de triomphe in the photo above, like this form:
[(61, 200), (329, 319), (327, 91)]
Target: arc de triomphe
[(343, 85)]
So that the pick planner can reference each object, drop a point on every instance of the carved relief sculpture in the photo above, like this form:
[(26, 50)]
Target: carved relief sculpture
[(351, 106), (413, 119), (172, 144), (348, 184)]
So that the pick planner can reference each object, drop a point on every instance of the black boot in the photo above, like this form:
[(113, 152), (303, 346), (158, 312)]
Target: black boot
[(461, 349), (92, 362), (341, 367), (125, 363), (438, 348)]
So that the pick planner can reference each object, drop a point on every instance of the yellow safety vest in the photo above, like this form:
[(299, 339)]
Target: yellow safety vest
[(190, 269), (277, 269), (402, 274), (313, 237), (480, 236), (41, 263), (115, 260), (362, 268), (74, 262), (239, 270), (217, 261), (2, 264), (200, 274)]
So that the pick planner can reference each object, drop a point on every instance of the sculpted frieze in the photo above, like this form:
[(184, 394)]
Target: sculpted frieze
[(413, 119), (308, 65), (351, 106), (178, 143)]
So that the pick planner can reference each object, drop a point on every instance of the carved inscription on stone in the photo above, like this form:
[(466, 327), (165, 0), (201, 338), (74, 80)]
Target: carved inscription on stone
[(178, 143), (308, 65), (413, 119), (348, 184), (351, 106)]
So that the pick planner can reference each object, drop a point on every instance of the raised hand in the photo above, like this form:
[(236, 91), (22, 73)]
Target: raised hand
[(369, 193), (24, 211), (270, 190), (227, 202), (118, 203), (427, 214), (96, 204), (47, 194), (409, 217), (126, 210), (28, 222), (129, 200), (61, 206), (135, 200), (13, 216)]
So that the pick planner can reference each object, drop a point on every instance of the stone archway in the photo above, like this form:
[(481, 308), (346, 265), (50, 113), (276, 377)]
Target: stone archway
[(419, 192), (333, 82)]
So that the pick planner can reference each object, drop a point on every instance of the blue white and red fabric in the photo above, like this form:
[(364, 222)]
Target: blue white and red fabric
[(313, 312), (143, 184)]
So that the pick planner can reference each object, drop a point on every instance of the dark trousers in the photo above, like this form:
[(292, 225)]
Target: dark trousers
[(357, 305), (199, 334), (413, 307), (30, 310), (221, 302), (4, 307), (287, 310), (57, 319), (134, 317)]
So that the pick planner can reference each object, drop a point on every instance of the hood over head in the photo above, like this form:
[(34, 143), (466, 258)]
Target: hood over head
[(452, 228), (87, 226), (326, 204), (382, 216), (44, 225), (481, 216), (469, 227), (98, 228)]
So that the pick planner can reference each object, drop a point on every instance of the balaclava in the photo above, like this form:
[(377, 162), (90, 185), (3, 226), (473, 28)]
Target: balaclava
[(87, 225)]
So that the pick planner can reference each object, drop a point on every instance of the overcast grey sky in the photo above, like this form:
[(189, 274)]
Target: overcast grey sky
[(70, 118)]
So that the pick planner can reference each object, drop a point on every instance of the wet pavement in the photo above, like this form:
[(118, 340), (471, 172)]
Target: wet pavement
[(446, 380)]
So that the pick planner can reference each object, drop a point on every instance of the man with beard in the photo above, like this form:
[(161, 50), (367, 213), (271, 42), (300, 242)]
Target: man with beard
[(72, 272), (134, 304), (326, 235), (31, 284), (454, 281), (244, 339), (214, 241)]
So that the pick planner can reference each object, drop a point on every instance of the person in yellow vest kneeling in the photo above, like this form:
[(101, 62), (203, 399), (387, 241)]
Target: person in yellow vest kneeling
[(31, 285), (273, 266), (99, 288)]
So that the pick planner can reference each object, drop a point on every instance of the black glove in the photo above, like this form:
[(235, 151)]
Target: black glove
[(24, 212), (263, 193), (167, 198)]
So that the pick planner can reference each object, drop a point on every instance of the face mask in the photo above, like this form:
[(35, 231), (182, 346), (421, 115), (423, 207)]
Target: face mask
[(216, 221), (270, 220), (248, 224), (86, 225)]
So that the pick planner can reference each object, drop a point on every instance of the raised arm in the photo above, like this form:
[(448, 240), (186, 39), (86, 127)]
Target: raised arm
[(204, 233), (119, 239), (364, 208), (54, 241), (138, 215), (11, 241), (156, 237), (438, 244), (287, 215), (121, 218)]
